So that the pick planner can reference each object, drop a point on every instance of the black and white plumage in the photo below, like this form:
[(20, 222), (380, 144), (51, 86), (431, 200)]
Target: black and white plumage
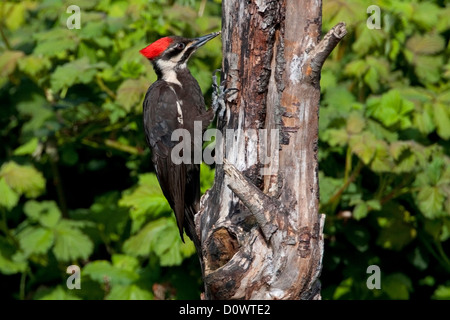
[(175, 101)]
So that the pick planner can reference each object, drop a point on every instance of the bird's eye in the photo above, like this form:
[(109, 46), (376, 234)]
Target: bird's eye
[(180, 46)]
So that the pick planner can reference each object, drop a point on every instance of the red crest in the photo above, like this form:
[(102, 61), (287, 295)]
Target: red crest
[(156, 48)]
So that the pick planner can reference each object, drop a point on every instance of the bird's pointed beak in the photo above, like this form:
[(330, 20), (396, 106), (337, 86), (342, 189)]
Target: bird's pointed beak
[(198, 42)]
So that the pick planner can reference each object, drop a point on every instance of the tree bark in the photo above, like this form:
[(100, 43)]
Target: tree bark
[(259, 225)]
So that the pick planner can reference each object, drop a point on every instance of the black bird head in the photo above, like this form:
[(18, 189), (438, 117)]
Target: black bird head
[(169, 54)]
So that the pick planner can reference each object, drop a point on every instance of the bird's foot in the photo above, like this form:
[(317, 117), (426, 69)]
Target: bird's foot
[(219, 95)]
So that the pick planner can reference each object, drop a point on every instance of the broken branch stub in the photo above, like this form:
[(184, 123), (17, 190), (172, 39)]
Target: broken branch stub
[(259, 204)]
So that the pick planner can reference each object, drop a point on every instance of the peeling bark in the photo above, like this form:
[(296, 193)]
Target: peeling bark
[(259, 225)]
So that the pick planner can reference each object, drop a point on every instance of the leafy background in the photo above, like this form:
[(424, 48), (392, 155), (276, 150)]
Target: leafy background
[(76, 181)]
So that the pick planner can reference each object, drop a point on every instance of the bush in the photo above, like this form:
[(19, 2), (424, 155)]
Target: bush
[(384, 152), (76, 180)]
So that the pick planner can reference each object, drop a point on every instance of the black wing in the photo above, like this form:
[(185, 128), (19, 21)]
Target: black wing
[(180, 183), (160, 118)]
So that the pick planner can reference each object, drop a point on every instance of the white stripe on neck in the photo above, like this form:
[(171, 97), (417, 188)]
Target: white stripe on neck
[(167, 68)]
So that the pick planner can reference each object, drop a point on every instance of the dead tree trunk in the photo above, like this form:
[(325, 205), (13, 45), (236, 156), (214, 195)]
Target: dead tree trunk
[(259, 224)]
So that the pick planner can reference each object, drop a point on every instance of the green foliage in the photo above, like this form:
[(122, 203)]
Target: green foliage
[(75, 172), (384, 151), (145, 199), (160, 237), (24, 180)]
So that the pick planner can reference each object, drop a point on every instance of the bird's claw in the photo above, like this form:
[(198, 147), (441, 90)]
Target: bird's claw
[(219, 95)]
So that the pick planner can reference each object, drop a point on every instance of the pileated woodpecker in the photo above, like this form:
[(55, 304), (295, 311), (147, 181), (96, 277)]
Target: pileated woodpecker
[(173, 102)]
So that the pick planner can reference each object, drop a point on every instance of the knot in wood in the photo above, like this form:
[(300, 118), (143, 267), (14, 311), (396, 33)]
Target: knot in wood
[(304, 239), (222, 247)]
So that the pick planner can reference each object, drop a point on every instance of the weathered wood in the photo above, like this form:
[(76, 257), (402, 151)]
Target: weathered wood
[(259, 225), (260, 205)]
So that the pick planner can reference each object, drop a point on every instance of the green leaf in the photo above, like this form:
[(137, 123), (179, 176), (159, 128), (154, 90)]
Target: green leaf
[(140, 244), (71, 243), (430, 201), (115, 111), (161, 237), (419, 259), (132, 69), (57, 293), (380, 132), (35, 240), (382, 161), (442, 120), (443, 23), (367, 39), (131, 92), (23, 179), (169, 247), (356, 68), (328, 186), (16, 14), (428, 68), (9, 198), (336, 137), (8, 62), (343, 289), (391, 109), (355, 123), (89, 51), (374, 204), (78, 71), (335, 12), (146, 199), (27, 148), (426, 14), (424, 120), (433, 173), (46, 212), (395, 49), (371, 78), (442, 293), (426, 44), (10, 261), (363, 146), (102, 271), (360, 211), (397, 148), (327, 80), (109, 217), (340, 97), (435, 170), (397, 230), (125, 262), (445, 234), (397, 286), (131, 292), (34, 65), (37, 109), (55, 42), (427, 281), (407, 162), (92, 30)]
